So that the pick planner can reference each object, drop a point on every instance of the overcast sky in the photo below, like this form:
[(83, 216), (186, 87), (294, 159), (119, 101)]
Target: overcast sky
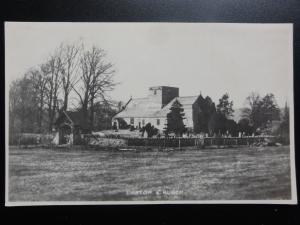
[(207, 58)]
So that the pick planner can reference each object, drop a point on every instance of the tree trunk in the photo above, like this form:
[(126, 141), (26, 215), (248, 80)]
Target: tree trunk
[(92, 114), (23, 118), (55, 102), (66, 97), (41, 111), (50, 104)]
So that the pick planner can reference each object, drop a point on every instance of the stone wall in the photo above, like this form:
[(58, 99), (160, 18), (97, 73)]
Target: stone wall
[(107, 142)]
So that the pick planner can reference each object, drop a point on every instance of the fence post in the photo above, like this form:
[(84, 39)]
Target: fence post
[(179, 143)]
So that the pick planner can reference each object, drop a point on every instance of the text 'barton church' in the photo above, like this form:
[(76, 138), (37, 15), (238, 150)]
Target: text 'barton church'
[(154, 108)]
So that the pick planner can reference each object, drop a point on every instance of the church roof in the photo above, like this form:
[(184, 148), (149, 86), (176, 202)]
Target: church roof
[(143, 108), (186, 102), (139, 107)]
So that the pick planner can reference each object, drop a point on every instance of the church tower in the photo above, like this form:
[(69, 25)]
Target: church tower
[(162, 94)]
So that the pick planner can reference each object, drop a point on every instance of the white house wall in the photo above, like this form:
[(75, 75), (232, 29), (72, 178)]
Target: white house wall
[(188, 115), (188, 121), (153, 122)]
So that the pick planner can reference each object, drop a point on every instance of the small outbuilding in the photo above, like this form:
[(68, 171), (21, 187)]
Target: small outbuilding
[(69, 126)]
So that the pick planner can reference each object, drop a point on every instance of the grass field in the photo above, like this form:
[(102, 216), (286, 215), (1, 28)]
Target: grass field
[(90, 175)]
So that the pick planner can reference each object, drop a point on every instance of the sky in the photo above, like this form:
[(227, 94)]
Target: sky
[(205, 58)]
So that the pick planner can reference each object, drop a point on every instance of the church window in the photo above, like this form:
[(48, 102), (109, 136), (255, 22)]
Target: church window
[(158, 121)]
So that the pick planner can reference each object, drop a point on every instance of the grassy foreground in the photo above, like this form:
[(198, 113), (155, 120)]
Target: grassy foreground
[(90, 175)]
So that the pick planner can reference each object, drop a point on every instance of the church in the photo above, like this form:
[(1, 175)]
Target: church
[(154, 108)]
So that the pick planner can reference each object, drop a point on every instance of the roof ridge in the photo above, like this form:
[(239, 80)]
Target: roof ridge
[(188, 96), (140, 98)]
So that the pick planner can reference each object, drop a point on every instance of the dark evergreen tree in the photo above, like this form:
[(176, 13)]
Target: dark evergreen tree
[(175, 119), (225, 106), (220, 123), (204, 113), (217, 124)]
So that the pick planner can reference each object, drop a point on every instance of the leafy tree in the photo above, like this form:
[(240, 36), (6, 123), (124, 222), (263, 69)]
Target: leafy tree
[(216, 124), (270, 109), (103, 115), (261, 111), (23, 107), (244, 126), (225, 106), (231, 126), (39, 80), (286, 118), (175, 119), (284, 129), (253, 111)]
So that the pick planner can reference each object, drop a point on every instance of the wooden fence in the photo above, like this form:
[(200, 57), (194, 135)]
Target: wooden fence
[(90, 139), (207, 141), (163, 142)]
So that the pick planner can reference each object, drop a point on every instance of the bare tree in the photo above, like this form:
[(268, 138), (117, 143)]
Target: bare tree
[(36, 99), (70, 59), (54, 67), (96, 80)]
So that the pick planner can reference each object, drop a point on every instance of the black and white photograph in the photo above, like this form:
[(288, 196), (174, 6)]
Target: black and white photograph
[(149, 113)]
